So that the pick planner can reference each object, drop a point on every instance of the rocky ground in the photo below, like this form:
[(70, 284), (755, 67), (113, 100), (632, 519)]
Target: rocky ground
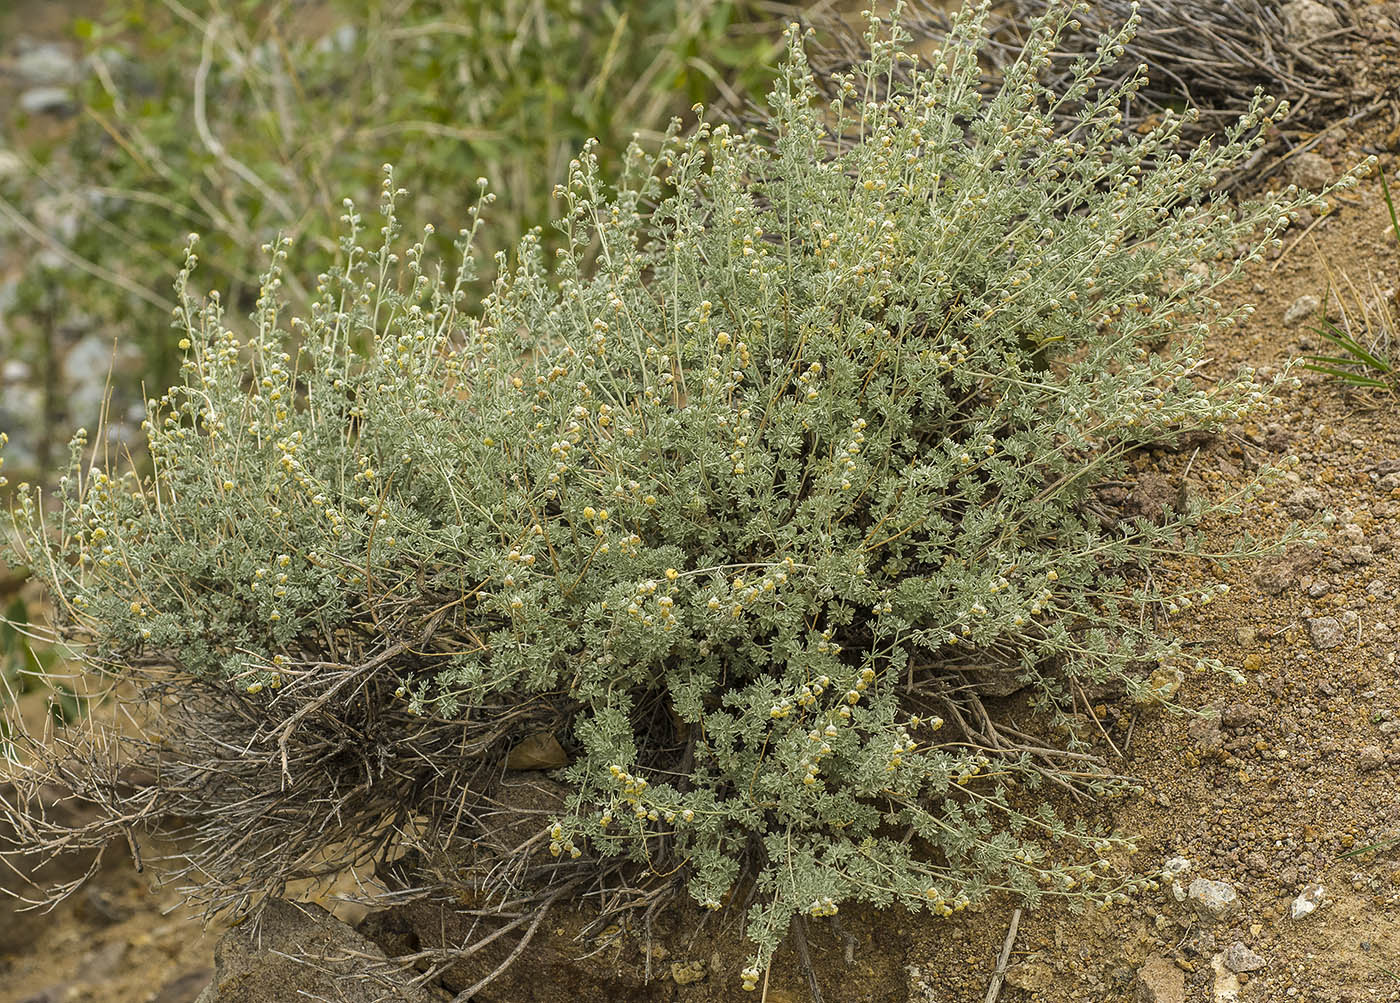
[(1273, 804), (1276, 803)]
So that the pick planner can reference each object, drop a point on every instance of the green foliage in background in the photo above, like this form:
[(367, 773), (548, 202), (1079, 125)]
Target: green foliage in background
[(26, 666), (245, 119), (798, 429)]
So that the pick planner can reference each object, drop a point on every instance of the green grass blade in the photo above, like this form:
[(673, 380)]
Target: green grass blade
[(1390, 204), (1353, 348), (1348, 376)]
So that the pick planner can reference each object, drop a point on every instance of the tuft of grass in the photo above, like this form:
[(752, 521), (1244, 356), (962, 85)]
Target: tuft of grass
[(1364, 337)]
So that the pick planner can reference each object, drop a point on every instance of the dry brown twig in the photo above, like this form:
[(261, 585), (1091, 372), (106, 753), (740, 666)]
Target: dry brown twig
[(1210, 55)]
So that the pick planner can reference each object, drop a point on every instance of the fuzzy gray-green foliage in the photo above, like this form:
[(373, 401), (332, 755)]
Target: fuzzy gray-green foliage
[(811, 436)]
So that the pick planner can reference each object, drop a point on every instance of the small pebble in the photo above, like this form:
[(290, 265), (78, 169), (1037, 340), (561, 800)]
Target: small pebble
[(1307, 901), (1301, 309)]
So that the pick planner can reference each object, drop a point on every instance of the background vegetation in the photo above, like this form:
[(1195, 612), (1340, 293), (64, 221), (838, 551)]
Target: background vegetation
[(245, 119)]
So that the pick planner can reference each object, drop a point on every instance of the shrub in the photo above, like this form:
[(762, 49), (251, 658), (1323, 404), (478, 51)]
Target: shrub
[(737, 514)]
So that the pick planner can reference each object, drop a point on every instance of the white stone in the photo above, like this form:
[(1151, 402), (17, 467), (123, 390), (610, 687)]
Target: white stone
[(1307, 901), (47, 63), (47, 101), (1226, 984), (1301, 309)]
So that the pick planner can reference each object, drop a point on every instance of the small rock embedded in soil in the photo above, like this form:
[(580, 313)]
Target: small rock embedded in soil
[(1160, 981), (1301, 309), (1325, 632), (1213, 900), (1030, 976), (1226, 984), (1205, 730), (1173, 869), (683, 973), (1155, 494), (1239, 715), (1372, 757), (1307, 901), (1239, 958), (1304, 502), (1311, 170)]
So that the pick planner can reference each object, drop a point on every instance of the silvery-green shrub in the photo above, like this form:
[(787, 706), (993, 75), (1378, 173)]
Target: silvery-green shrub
[(801, 426)]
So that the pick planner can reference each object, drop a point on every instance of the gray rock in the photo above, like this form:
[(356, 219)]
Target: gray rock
[(1304, 502), (1213, 900), (47, 64), (1205, 730), (1305, 20), (1031, 976), (57, 101), (184, 988), (1239, 958), (300, 951), (1301, 309), (1311, 171), (995, 683), (1325, 632), (1176, 866), (1239, 715), (1372, 757), (1358, 556), (1155, 494), (85, 375)]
